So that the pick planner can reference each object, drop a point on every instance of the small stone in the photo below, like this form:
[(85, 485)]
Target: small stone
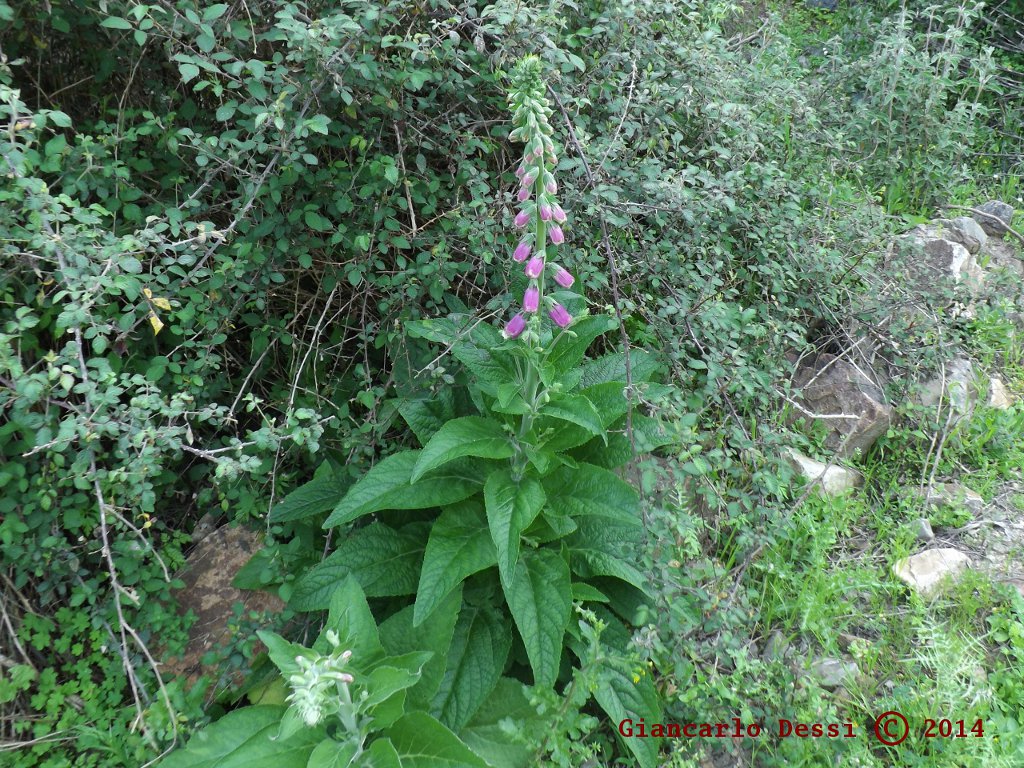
[(967, 232), (923, 529), (833, 673), (998, 395), (928, 571), (942, 495), (997, 222), (832, 480)]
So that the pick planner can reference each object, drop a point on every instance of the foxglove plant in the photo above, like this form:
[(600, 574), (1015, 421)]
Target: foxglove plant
[(517, 459)]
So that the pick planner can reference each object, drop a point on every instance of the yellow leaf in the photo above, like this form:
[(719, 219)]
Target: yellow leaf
[(156, 323), (157, 302)]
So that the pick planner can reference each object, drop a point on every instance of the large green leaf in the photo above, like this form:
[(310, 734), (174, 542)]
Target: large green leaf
[(459, 546), (425, 417), (473, 343), (399, 637), (468, 436), (476, 659), (332, 754), (575, 409), (317, 496), (245, 739), (350, 618), (511, 506), (540, 598), (488, 736), (642, 366), (607, 547), (381, 754), (423, 742), (385, 562), (570, 347), (591, 490), (622, 699), (388, 486)]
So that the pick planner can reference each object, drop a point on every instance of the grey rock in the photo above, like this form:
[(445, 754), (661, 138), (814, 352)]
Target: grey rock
[(840, 395), (922, 528), (833, 673), (928, 572), (822, 5), (997, 222), (832, 480), (956, 387), (967, 232), (956, 260), (998, 395), (942, 495)]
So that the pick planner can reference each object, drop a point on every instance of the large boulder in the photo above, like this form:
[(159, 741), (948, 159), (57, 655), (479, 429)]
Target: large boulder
[(209, 594), (939, 252), (967, 232), (994, 217), (838, 395)]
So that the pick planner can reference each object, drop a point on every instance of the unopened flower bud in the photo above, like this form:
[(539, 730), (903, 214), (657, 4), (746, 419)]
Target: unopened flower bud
[(514, 327), (560, 315), (535, 266), (557, 237), (522, 251), (522, 219), (531, 299), (559, 214), (545, 212), (563, 278), (524, 195)]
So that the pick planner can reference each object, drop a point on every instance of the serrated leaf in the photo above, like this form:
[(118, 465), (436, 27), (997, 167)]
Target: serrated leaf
[(399, 636), (426, 417), (466, 436), (115, 22), (568, 351), (245, 739), (476, 660), (540, 598), (575, 409), (188, 72), (316, 497), (511, 506), (622, 699), (316, 222), (332, 754), (473, 343), (381, 754), (488, 733), (591, 490), (459, 546), (384, 561), (282, 652), (387, 486), (423, 742), (349, 616), (642, 366), (215, 11)]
